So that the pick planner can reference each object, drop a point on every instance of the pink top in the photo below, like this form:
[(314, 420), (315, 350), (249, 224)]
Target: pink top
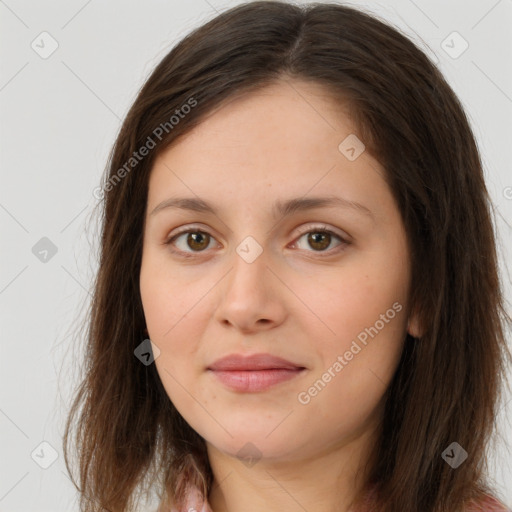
[(194, 503)]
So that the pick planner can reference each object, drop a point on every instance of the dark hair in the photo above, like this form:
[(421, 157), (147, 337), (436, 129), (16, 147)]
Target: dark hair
[(447, 385)]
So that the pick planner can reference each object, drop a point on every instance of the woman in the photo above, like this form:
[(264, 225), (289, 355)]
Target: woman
[(297, 305)]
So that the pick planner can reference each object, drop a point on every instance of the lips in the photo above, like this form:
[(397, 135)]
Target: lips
[(255, 362), (253, 373)]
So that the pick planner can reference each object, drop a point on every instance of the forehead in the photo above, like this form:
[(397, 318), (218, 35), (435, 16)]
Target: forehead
[(282, 140), (287, 115)]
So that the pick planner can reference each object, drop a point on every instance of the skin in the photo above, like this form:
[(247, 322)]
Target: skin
[(295, 300)]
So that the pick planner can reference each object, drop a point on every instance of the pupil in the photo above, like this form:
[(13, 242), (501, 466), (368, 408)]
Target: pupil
[(197, 241), (317, 238)]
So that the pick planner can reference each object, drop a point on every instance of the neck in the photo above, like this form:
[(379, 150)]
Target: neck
[(326, 482)]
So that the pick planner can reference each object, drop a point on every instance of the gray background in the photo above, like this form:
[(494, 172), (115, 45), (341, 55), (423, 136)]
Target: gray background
[(59, 117)]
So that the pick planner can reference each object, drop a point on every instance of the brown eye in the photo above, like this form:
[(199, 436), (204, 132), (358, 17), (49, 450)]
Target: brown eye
[(197, 240), (189, 242), (192, 242), (319, 240)]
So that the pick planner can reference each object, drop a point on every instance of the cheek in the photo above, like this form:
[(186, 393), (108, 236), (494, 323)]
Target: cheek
[(364, 306), (348, 300), (175, 318), (167, 296), (353, 379)]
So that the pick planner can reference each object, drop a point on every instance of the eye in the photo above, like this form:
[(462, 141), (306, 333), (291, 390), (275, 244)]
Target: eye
[(196, 240), (320, 239)]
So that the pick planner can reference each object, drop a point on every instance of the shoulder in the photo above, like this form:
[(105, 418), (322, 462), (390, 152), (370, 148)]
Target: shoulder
[(487, 504)]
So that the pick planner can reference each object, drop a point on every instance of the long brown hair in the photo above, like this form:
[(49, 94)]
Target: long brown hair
[(447, 387)]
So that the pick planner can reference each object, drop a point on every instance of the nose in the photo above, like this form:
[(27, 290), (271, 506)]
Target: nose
[(251, 297)]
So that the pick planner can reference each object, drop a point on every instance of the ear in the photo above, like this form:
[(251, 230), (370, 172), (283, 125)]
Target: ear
[(413, 326)]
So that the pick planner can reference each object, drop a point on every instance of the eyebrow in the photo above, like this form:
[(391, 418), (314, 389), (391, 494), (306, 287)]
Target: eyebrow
[(280, 208)]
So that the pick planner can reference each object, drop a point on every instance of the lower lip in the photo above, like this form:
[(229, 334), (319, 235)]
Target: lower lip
[(255, 380)]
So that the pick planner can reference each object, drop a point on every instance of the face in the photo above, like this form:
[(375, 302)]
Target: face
[(322, 285)]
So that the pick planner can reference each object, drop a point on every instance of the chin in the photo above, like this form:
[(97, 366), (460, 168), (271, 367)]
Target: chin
[(252, 445)]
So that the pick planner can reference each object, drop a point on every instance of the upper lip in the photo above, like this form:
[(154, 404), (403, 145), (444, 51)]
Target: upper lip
[(234, 362)]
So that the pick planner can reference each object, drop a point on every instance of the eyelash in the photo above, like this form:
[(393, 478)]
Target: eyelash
[(193, 254)]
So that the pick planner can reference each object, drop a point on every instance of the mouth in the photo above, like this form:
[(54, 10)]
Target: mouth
[(254, 373)]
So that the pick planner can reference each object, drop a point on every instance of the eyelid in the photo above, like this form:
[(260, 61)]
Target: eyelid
[(186, 229), (190, 228), (301, 230), (323, 227)]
